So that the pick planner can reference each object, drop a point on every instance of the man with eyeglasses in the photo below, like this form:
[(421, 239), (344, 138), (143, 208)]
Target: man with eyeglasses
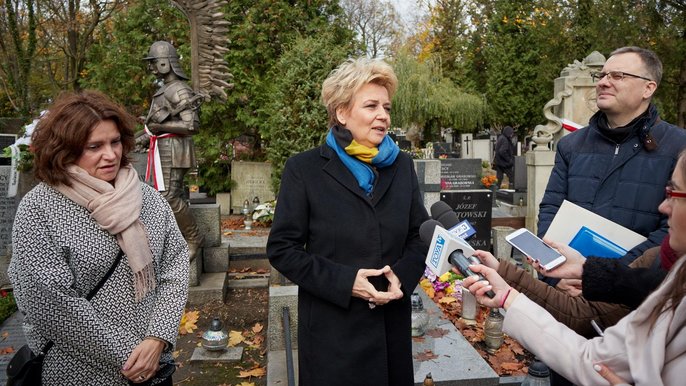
[(619, 164)]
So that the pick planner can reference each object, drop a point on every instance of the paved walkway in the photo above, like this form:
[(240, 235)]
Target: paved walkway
[(11, 335)]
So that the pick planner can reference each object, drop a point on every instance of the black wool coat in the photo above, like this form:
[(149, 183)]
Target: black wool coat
[(325, 229)]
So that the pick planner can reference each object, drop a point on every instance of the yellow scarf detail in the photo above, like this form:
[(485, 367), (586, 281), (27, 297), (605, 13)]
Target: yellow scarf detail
[(361, 152)]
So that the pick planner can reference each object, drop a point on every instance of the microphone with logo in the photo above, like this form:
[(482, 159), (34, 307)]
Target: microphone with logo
[(443, 213), (446, 250)]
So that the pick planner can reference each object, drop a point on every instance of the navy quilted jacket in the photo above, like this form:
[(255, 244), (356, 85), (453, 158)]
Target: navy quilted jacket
[(622, 182)]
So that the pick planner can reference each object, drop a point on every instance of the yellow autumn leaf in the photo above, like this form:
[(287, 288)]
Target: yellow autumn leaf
[(445, 277), (447, 300), (425, 283), (235, 337), (257, 328), (256, 372), (188, 322)]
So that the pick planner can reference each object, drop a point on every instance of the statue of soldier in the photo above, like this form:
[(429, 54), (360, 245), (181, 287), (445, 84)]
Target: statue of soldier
[(170, 125)]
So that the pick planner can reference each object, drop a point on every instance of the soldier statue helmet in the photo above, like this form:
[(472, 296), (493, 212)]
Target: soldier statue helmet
[(165, 55)]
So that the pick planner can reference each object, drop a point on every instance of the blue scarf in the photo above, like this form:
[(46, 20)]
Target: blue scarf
[(341, 141)]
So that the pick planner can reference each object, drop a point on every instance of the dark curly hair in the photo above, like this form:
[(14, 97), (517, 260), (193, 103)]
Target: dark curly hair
[(61, 134)]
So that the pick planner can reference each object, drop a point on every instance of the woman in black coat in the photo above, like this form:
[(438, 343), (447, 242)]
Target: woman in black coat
[(346, 231)]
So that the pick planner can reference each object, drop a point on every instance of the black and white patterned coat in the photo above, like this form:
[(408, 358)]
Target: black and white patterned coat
[(60, 254)]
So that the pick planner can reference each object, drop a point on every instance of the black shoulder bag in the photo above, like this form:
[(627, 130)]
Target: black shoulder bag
[(26, 368)]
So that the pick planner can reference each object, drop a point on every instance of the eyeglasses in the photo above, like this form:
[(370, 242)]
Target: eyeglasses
[(615, 76), (671, 193)]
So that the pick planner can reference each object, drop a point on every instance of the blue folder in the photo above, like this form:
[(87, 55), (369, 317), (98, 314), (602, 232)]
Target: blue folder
[(590, 243)]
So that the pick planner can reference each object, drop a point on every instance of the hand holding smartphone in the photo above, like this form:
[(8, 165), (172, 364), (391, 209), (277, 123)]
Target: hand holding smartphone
[(532, 246)]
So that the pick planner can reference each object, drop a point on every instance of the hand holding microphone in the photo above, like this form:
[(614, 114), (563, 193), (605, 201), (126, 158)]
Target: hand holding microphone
[(487, 282), (447, 250)]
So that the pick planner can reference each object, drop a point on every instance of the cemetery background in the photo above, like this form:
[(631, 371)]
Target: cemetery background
[(266, 57)]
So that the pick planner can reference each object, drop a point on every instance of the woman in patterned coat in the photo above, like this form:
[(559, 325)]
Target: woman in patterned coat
[(68, 232)]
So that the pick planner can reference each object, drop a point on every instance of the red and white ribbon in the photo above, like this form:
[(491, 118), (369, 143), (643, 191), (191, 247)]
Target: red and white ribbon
[(570, 126), (154, 166)]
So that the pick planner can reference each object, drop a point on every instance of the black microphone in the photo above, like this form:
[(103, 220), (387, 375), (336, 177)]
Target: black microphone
[(456, 258), (444, 214)]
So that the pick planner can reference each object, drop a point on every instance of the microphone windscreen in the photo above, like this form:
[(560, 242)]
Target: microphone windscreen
[(426, 230), (439, 208), (444, 214)]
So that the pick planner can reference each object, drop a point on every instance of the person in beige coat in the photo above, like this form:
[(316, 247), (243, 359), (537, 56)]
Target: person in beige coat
[(647, 347)]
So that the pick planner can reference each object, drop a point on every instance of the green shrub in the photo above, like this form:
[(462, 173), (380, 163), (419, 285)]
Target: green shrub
[(8, 305)]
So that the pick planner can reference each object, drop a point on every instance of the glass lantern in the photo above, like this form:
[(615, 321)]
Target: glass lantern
[(420, 319), (493, 330), (215, 338)]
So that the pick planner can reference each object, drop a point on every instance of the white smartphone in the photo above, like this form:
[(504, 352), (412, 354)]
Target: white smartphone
[(535, 248)]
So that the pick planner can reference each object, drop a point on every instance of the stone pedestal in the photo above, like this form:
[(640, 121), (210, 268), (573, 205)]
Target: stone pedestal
[(429, 178), (280, 297), (539, 166), (224, 202), (501, 248), (208, 218)]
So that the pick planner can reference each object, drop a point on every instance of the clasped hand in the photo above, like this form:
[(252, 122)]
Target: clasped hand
[(144, 361), (363, 289)]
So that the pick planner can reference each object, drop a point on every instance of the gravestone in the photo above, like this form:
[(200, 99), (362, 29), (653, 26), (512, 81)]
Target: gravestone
[(460, 174), (429, 179), (8, 208), (520, 173), (516, 194), (253, 179), (482, 149), (466, 146), (476, 206)]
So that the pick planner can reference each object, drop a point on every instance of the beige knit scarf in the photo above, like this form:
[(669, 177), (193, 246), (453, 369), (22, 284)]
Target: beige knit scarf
[(117, 210)]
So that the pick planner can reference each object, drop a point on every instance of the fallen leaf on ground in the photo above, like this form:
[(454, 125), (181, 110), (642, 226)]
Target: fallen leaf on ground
[(510, 366), (235, 337), (437, 332), (427, 355), (257, 328), (188, 322), (6, 350), (256, 372)]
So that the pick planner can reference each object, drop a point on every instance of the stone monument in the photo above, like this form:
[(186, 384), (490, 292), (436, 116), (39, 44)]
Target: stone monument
[(574, 103), (174, 110)]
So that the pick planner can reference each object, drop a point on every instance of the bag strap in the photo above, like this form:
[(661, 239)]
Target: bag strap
[(92, 292), (107, 276)]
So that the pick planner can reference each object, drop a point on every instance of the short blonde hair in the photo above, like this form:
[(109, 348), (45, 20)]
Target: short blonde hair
[(342, 83)]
